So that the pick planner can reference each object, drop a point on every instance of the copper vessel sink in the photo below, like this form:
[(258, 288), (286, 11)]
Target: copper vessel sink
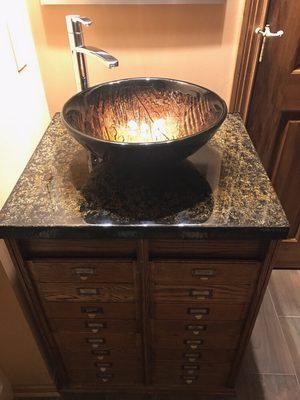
[(144, 120)]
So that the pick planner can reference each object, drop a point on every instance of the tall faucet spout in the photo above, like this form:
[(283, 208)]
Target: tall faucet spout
[(79, 50), (105, 57)]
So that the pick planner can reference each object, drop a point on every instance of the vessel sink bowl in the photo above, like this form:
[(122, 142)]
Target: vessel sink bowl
[(144, 120)]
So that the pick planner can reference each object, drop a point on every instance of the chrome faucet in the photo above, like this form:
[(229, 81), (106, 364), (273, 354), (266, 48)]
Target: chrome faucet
[(79, 50)]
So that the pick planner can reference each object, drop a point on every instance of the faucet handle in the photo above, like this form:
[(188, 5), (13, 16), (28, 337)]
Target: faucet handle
[(74, 23), (82, 20)]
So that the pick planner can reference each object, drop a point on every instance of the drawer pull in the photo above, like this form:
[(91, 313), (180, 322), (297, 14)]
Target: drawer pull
[(101, 353), (198, 312), (84, 272), (203, 274), (88, 291), (103, 367), (192, 357), (201, 294), (92, 312), (194, 344), (189, 379), (105, 378), (95, 342), (95, 327), (196, 329), (190, 367)]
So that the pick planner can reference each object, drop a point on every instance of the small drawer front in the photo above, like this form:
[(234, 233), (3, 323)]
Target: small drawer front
[(221, 249), (210, 292), (200, 380), (204, 311), (194, 356), (82, 271), (126, 375), (109, 292), (194, 329), (90, 310), (77, 341), (88, 356), (107, 365), (93, 325), (194, 272), (188, 341), (177, 369)]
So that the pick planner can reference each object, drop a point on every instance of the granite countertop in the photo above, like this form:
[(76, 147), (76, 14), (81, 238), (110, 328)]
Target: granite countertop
[(221, 191)]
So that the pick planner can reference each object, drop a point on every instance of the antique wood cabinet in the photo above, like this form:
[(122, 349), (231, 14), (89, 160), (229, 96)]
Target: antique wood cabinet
[(144, 315), (138, 286)]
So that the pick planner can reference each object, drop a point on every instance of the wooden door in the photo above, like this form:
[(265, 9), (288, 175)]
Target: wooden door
[(274, 118)]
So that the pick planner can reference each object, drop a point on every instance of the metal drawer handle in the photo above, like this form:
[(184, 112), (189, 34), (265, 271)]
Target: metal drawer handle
[(201, 294), (105, 378), (194, 344), (95, 342), (103, 367), (198, 312), (196, 329), (88, 291), (92, 312), (189, 379), (191, 357), (95, 327), (84, 272), (203, 274), (190, 369)]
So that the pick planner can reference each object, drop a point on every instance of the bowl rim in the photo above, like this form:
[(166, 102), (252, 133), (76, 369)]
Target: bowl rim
[(216, 125)]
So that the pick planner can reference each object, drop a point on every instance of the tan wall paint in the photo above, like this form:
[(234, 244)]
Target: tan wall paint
[(197, 43), (21, 127)]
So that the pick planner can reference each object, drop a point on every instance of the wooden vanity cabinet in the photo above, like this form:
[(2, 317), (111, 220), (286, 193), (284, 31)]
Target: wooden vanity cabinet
[(144, 315)]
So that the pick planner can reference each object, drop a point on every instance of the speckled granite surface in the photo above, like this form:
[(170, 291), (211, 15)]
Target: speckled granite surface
[(221, 191)]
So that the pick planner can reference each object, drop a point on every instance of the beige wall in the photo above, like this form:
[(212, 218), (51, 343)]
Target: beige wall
[(197, 43), (24, 117)]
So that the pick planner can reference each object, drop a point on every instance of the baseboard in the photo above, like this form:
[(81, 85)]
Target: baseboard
[(23, 391)]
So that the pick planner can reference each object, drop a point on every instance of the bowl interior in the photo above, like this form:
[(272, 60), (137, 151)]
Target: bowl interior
[(144, 110)]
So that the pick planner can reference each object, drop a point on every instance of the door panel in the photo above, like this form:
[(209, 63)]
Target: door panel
[(274, 118)]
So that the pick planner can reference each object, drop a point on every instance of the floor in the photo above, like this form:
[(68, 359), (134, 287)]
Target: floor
[(271, 366)]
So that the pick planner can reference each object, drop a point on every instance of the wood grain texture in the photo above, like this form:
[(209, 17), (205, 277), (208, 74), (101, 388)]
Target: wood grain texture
[(195, 272), (93, 325), (192, 294), (72, 270), (185, 249), (285, 288), (92, 310), (108, 292), (36, 248), (267, 351), (204, 311)]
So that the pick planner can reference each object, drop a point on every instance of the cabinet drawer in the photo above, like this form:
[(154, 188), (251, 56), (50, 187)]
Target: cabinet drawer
[(222, 249), (177, 369), (85, 357), (193, 272), (77, 341), (195, 293), (188, 341), (195, 329), (106, 292), (204, 311), (201, 380), (94, 325), (194, 356), (129, 375), (90, 310), (82, 271), (109, 366)]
